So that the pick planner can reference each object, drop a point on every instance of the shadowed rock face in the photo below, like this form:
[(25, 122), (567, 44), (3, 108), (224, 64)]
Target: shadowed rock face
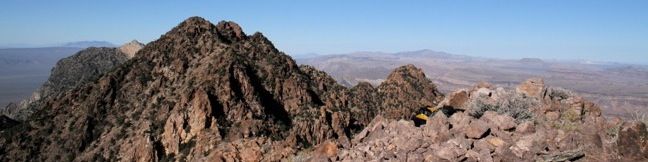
[(6, 122)]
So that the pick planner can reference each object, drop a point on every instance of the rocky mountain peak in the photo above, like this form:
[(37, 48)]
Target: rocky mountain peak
[(197, 85), (406, 73), (230, 30), (407, 87), (131, 48), (195, 29)]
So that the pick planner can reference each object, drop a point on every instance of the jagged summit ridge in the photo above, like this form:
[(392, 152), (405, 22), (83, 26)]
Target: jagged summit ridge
[(197, 85), (197, 27)]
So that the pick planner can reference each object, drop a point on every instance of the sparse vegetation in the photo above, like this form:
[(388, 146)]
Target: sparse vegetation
[(640, 117), (566, 125), (614, 132), (559, 93), (515, 106)]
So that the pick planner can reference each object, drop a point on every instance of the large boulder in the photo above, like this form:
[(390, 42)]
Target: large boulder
[(533, 87), (476, 129)]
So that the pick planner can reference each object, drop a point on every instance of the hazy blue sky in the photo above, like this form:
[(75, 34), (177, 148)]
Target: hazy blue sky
[(611, 30)]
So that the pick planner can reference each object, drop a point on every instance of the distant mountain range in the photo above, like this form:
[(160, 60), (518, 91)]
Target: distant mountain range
[(23, 70), (86, 44), (75, 44)]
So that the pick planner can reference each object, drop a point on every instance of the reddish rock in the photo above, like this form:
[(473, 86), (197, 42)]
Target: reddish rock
[(633, 141), (325, 151), (525, 127), (456, 100), (523, 146), (449, 152), (483, 145), (501, 122), (533, 87), (476, 129), (459, 122), (437, 128), (406, 90), (552, 116)]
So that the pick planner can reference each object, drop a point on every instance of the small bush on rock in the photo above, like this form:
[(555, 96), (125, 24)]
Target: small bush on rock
[(640, 117), (515, 106)]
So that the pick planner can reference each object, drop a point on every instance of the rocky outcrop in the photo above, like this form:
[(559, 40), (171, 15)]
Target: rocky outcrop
[(485, 128), (532, 87), (131, 48), (406, 87)]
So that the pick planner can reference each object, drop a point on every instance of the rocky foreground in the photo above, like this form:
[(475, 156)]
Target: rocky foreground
[(534, 123), (205, 92)]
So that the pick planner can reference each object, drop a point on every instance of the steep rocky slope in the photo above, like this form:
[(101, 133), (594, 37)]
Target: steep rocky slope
[(201, 91), (81, 68)]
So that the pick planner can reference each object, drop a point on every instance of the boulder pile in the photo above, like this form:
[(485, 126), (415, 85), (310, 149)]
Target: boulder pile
[(531, 123)]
